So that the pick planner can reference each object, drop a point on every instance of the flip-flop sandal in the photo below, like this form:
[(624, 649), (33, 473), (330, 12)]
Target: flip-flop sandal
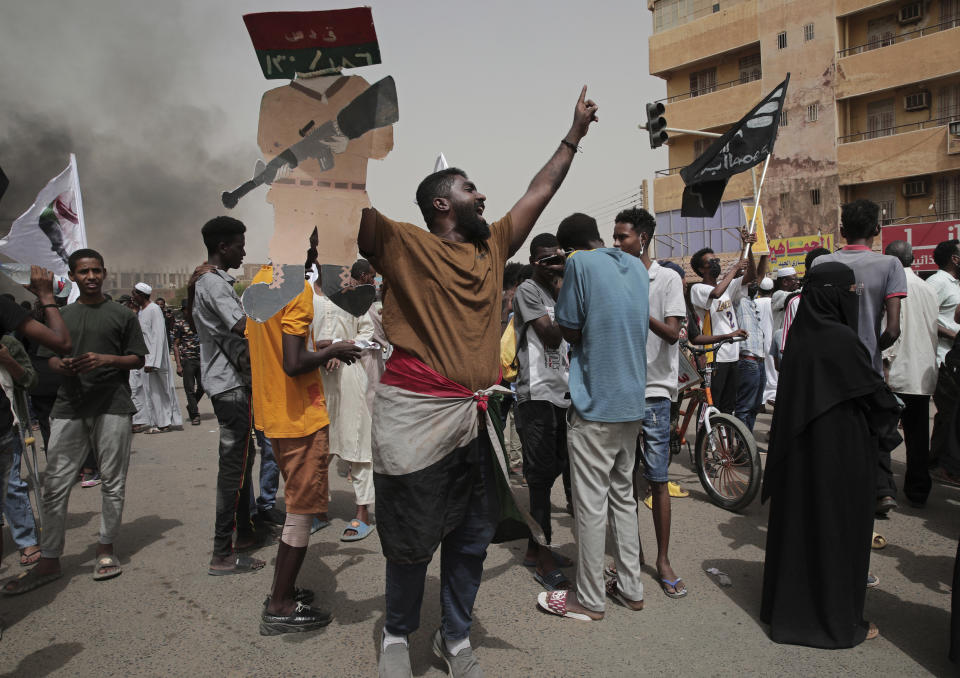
[(664, 583), (613, 590), (555, 602), (878, 541), (108, 562), (872, 581), (361, 528), (610, 571), (552, 581), (318, 525), (242, 565), (29, 560), (872, 631), (28, 581)]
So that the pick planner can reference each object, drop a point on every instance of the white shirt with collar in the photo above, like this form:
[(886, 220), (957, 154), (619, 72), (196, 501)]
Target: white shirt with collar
[(913, 356)]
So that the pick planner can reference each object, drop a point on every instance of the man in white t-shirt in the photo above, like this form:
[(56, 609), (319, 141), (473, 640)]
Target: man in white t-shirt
[(715, 301), (632, 233), (542, 398)]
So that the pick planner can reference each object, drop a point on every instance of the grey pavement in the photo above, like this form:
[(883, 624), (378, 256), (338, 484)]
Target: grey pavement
[(164, 616)]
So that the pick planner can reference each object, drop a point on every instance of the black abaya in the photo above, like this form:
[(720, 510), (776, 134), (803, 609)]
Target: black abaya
[(820, 475)]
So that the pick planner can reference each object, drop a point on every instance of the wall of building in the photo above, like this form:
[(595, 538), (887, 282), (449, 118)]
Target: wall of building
[(924, 208), (854, 28), (727, 71), (854, 111)]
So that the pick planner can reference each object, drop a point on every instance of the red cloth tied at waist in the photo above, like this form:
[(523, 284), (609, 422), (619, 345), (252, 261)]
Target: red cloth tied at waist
[(412, 374)]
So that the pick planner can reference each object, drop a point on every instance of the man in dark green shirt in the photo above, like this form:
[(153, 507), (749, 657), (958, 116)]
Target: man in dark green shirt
[(93, 408)]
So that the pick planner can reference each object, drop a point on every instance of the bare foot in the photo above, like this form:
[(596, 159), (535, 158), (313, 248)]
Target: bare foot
[(573, 605), (872, 631)]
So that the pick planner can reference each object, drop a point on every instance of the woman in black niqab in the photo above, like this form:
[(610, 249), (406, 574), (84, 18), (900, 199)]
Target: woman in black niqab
[(832, 411)]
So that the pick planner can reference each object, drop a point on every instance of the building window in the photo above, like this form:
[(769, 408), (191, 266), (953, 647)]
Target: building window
[(948, 197), (716, 7), (881, 32), (808, 33), (950, 13), (784, 198), (815, 196), (813, 112), (783, 118), (750, 68), (782, 40), (703, 82), (881, 118), (948, 101)]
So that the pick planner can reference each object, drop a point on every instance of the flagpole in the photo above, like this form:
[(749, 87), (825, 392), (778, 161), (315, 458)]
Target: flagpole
[(756, 204), (75, 177)]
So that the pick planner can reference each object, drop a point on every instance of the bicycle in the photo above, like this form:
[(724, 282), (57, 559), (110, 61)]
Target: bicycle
[(725, 454)]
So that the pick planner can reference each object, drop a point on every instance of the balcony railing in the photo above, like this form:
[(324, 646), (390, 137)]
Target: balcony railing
[(711, 88), (901, 37), (898, 129)]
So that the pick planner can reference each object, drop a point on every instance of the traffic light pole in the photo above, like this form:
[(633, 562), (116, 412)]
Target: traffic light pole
[(712, 135)]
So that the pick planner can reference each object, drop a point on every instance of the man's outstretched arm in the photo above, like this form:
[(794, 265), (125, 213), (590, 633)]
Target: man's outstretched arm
[(528, 208)]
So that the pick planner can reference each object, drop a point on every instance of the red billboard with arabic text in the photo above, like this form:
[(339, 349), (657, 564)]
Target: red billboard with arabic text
[(923, 238)]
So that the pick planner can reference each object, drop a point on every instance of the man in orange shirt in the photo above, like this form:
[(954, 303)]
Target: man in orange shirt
[(289, 408)]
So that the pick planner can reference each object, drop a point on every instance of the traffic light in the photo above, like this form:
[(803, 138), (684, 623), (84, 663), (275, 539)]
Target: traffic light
[(656, 125)]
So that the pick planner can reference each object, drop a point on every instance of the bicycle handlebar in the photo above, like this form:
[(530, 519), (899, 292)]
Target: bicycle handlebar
[(696, 350)]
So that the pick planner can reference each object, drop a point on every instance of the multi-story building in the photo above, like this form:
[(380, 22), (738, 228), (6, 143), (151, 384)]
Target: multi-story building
[(874, 88)]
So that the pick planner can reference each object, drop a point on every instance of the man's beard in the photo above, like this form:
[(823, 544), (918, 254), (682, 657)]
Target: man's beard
[(473, 226)]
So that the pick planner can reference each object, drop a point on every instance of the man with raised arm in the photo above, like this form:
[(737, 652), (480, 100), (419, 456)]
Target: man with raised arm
[(436, 464)]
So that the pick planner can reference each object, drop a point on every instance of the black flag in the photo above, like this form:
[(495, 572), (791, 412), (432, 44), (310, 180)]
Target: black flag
[(744, 145)]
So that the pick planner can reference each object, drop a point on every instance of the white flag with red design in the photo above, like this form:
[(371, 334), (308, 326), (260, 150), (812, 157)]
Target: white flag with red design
[(52, 228)]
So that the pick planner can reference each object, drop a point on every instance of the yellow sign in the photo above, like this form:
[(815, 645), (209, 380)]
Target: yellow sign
[(760, 247), (793, 251)]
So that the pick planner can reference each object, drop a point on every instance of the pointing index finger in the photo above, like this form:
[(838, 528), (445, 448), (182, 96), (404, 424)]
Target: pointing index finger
[(583, 94)]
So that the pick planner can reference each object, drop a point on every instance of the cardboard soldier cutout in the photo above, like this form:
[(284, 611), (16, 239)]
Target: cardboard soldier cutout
[(316, 135)]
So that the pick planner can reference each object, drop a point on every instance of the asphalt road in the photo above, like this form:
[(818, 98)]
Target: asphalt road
[(164, 616)]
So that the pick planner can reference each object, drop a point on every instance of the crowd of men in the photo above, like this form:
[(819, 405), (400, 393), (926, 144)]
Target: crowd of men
[(413, 394)]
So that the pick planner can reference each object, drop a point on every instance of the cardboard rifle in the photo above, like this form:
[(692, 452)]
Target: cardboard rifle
[(375, 107)]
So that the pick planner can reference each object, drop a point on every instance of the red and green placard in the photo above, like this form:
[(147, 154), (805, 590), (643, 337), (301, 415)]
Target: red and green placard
[(302, 42)]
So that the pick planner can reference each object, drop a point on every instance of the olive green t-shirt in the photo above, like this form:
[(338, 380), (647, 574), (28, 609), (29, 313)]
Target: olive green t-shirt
[(442, 300), (107, 327)]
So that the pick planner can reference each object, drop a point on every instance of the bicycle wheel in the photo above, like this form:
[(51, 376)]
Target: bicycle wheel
[(728, 462)]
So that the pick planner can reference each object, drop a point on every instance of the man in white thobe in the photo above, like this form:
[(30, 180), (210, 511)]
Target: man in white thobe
[(161, 409), (766, 320), (345, 390)]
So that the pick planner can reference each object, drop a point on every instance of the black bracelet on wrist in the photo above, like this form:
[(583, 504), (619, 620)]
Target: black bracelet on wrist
[(573, 147), (49, 306)]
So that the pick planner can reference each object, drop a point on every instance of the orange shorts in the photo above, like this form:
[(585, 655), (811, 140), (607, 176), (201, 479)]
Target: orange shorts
[(303, 463)]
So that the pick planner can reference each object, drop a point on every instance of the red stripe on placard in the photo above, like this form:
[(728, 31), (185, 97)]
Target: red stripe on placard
[(296, 30)]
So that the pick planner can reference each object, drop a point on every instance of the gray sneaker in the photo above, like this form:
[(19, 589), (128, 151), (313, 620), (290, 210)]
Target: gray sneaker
[(395, 661), (461, 665)]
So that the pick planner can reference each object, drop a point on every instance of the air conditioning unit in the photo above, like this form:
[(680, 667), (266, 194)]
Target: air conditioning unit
[(914, 188), (953, 139), (917, 101), (910, 13)]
